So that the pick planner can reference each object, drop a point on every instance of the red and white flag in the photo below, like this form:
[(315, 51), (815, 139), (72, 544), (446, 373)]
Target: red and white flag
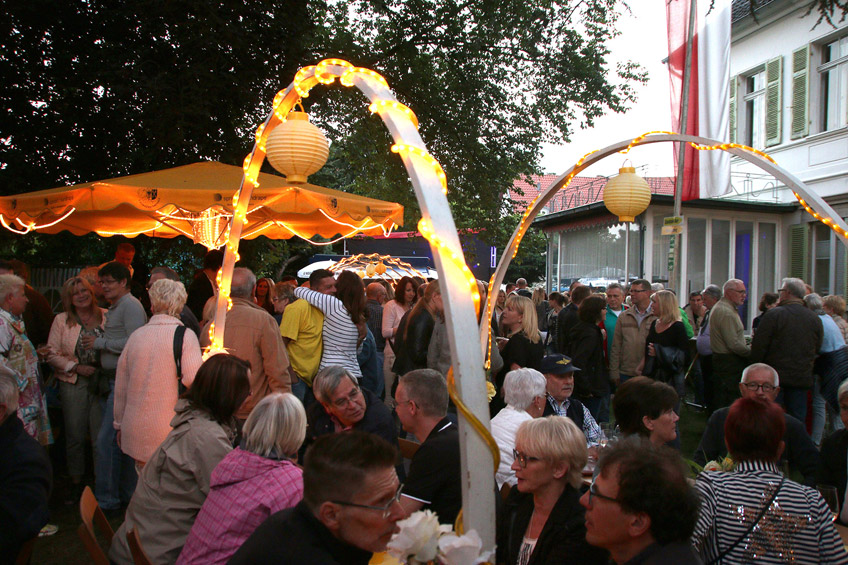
[(706, 174)]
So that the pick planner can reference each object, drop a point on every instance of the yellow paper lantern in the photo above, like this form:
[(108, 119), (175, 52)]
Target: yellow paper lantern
[(370, 269), (627, 195), (297, 148), (381, 268)]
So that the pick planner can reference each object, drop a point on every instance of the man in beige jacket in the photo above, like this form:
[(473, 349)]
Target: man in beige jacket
[(727, 341), (631, 330), (252, 334)]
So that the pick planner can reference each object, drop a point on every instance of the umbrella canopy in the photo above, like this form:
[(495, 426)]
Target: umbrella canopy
[(395, 268), (196, 200)]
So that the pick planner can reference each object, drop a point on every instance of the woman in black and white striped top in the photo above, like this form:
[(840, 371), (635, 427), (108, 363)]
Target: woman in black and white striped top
[(753, 513), (344, 321)]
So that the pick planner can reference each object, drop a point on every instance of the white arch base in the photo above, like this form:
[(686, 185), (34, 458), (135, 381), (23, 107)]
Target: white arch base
[(811, 201)]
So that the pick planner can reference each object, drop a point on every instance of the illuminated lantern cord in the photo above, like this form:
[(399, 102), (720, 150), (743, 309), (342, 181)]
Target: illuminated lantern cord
[(381, 105), (440, 172), (826, 221), (32, 226), (427, 231)]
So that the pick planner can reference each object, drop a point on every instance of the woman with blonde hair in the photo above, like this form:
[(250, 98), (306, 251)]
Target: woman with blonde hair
[(74, 367), (147, 377), (543, 519), (834, 306), (255, 480), (522, 346), (665, 346)]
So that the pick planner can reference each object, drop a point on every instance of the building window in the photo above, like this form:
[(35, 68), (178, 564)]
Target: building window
[(755, 109), (834, 74)]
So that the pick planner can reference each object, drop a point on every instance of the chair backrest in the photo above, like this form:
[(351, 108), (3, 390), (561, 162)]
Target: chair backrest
[(26, 552), (138, 554), (92, 515), (407, 448)]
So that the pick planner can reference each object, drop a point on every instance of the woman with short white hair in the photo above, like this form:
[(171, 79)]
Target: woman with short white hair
[(543, 519), (18, 354), (253, 481), (524, 391), (147, 377)]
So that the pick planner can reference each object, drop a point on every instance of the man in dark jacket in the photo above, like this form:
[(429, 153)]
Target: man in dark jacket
[(567, 318), (344, 405), (788, 338), (640, 507), (25, 476), (761, 381), (349, 510)]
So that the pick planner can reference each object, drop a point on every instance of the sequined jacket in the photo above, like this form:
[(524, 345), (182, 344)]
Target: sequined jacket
[(797, 523)]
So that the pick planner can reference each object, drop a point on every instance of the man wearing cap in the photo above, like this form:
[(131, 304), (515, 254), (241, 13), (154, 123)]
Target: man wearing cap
[(559, 374)]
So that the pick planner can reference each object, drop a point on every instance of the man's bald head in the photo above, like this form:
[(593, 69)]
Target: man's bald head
[(376, 291)]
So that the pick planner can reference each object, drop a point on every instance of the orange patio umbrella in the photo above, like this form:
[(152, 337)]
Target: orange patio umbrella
[(196, 201)]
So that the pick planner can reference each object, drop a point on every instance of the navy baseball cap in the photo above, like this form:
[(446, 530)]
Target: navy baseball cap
[(557, 365)]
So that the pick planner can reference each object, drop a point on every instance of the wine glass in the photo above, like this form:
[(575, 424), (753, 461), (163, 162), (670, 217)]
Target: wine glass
[(829, 495), (606, 434)]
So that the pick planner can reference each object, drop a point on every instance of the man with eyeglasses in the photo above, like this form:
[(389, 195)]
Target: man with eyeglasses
[(761, 381), (788, 338), (116, 475), (640, 507), (349, 510), (631, 331), (434, 479), (344, 405), (727, 341)]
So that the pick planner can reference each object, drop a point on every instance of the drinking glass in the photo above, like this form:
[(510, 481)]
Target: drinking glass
[(830, 497)]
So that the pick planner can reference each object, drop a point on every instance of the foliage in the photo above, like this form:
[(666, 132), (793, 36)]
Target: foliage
[(489, 81)]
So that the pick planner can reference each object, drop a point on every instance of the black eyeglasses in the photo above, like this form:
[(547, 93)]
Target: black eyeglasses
[(523, 458), (753, 387), (387, 509), (593, 493), (352, 396)]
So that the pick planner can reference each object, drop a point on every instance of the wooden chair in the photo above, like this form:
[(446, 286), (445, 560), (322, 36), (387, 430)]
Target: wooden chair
[(92, 515), (25, 553), (138, 554), (407, 448)]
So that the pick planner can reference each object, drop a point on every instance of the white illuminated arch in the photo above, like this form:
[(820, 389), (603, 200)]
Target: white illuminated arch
[(812, 202), (457, 284)]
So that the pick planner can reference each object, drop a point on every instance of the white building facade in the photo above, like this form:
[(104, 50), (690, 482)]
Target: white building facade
[(788, 97)]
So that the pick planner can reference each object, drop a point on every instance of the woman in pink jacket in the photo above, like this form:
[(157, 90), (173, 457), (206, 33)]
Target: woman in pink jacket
[(255, 480), (74, 366), (146, 387)]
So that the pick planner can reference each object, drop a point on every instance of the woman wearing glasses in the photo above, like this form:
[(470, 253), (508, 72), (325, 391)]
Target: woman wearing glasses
[(543, 521)]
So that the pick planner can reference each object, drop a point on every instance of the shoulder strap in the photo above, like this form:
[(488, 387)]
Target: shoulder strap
[(178, 350), (752, 526)]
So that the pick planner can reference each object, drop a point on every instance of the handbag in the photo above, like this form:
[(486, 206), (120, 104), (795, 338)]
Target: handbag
[(178, 356)]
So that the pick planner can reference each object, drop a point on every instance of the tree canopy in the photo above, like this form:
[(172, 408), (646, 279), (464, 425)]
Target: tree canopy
[(95, 89)]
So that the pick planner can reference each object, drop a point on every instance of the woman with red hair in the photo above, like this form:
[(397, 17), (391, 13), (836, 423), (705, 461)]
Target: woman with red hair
[(754, 512)]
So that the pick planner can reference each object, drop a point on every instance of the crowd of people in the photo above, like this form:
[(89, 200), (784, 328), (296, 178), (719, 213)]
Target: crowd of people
[(285, 449)]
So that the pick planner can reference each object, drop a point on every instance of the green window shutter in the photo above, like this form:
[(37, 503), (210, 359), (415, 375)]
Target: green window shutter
[(800, 92), (774, 101), (732, 121), (798, 250)]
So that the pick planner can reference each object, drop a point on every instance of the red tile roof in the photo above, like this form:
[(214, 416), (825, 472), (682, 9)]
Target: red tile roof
[(580, 192)]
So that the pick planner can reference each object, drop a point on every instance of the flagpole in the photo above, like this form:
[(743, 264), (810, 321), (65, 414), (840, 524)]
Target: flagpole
[(674, 276)]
